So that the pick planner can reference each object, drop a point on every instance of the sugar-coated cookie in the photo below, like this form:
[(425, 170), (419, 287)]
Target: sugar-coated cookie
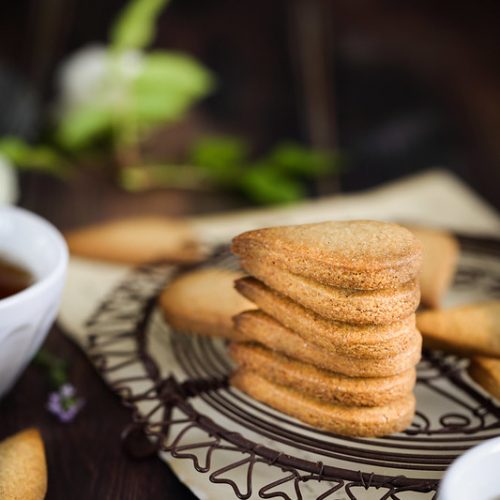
[(204, 301), (321, 384), (353, 421), (470, 330), (23, 469), (338, 304), (363, 341), (256, 326), (440, 257), (365, 255), (486, 372), (137, 240)]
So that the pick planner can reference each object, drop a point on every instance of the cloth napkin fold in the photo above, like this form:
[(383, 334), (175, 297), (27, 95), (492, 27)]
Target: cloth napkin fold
[(435, 198)]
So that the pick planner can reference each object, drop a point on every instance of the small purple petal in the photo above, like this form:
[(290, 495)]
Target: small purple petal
[(63, 403), (54, 397), (53, 407), (67, 391), (68, 415)]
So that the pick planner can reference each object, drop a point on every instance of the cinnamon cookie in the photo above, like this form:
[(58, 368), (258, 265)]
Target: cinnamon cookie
[(348, 420), (364, 255), (256, 326), (363, 341), (471, 329), (321, 384), (204, 301), (137, 240), (338, 304), (486, 372), (440, 252), (23, 468)]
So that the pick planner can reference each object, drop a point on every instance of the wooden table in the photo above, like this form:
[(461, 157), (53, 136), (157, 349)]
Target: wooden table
[(85, 457)]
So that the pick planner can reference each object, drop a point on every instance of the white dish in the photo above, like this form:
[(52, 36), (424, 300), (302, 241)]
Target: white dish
[(25, 317), (475, 475)]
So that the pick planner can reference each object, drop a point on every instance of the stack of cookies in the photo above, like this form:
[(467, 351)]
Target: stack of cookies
[(333, 341)]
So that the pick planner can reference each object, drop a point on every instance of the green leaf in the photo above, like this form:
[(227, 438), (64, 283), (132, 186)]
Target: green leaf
[(14, 149), (163, 72), (83, 126), (58, 376), (135, 27), (55, 367), (149, 109), (295, 159), (168, 85), (266, 186), (24, 155), (220, 158)]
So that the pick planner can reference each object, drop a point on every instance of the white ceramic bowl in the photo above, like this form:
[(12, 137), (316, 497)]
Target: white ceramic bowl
[(25, 318), (475, 475)]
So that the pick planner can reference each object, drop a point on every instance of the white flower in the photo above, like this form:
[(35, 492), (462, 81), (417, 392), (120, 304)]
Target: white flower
[(94, 76), (9, 190)]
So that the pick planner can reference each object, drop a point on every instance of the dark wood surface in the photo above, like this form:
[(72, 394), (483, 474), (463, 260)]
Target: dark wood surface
[(85, 458)]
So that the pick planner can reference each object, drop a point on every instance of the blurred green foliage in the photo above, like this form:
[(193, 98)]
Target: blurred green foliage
[(143, 89), (277, 177), (220, 159), (165, 85), (225, 163), (135, 27), (168, 84), (81, 127), (42, 158)]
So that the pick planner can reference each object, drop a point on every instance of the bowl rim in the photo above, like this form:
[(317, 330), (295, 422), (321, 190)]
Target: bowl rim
[(447, 486), (40, 286)]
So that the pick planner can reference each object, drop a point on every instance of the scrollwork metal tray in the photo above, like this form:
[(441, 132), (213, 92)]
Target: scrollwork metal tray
[(180, 398)]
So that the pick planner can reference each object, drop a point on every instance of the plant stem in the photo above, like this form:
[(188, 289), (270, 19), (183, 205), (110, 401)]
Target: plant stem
[(56, 367), (145, 177)]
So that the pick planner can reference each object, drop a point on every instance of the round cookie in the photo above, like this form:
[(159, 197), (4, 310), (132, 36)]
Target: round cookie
[(338, 304), (321, 384), (256, 326), (204, 302), (348, 420), (363, 341), (365, 255)]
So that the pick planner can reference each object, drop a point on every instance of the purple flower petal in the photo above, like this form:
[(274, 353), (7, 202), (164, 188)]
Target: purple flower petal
[(67, 391), (63, 403)]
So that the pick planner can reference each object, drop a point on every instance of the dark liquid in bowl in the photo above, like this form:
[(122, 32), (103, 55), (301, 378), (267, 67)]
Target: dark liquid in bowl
[(13, 278)]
